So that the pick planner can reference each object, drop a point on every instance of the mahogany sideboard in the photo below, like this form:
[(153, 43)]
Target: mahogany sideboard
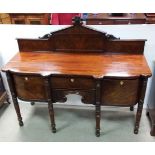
[(103, 69)]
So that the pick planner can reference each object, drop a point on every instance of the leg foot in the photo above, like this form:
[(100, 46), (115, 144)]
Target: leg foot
[(32, 103), (152, 133), (51, 113), (135, 131), (54, 130), (97, 133), (132, 108), (21, 123), (147, 114), (98, 115), (138, 116)]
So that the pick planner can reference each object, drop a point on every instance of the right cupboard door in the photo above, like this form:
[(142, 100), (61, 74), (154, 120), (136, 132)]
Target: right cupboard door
[(121, 92)]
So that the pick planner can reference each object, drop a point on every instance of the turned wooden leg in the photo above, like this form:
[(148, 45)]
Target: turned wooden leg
[(132, 108), (152, 133), (16, 105), (50, 104), (138, 116), (51, 114), (98, 114), (32, 103), (14, 98)]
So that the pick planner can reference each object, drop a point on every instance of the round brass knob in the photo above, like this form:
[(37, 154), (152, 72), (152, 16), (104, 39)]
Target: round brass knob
[(121, 83), (26, 78), (72, 80)]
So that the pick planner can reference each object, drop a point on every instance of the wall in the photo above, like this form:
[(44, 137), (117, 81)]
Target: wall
[(9, 33)]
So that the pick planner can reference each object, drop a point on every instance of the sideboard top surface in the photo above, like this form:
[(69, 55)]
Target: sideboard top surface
[(95, 65)]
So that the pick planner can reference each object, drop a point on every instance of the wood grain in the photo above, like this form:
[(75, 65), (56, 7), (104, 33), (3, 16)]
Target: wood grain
[(95, 65)]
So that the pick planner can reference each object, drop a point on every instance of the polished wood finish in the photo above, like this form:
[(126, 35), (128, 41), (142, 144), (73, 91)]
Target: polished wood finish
[(30, 87), (92, 65), (120, 92), (30, 18), (72, 82), (112, 19), (110, 71), (3, 94)]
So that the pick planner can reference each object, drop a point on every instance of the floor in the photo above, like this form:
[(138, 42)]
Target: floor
[(74, 123)]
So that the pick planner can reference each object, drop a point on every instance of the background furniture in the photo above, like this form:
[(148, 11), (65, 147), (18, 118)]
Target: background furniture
[(109, 19), (3, 93), (30, 18), (5, 18), (63, 18), (80, 60), (150, 18)]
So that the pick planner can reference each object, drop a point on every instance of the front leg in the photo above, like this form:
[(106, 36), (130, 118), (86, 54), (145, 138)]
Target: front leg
[(17, 108), (51, 114), (98, 106), (14, 98), (50, 104), (98, 115), (138, 116), (143, 84)]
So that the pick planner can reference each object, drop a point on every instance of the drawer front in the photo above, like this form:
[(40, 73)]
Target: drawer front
[(72, 83), (119, 92), (29, 87)]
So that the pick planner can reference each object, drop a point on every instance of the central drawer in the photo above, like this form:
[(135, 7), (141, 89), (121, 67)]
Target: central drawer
[(72, 83)]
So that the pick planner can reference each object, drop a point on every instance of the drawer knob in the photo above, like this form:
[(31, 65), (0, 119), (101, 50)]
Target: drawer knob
[(121, 83), (72, 80), (26, 78)]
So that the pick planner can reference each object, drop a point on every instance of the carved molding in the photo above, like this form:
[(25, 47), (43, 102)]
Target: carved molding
[(77, 22)]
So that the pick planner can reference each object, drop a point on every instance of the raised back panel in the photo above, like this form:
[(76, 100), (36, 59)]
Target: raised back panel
[(34, 45), (79, 42), (78, 38)]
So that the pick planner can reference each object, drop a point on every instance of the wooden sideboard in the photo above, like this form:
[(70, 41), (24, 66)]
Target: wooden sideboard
[(30, 18), (109, 19), (3, 94), (101, 68)]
